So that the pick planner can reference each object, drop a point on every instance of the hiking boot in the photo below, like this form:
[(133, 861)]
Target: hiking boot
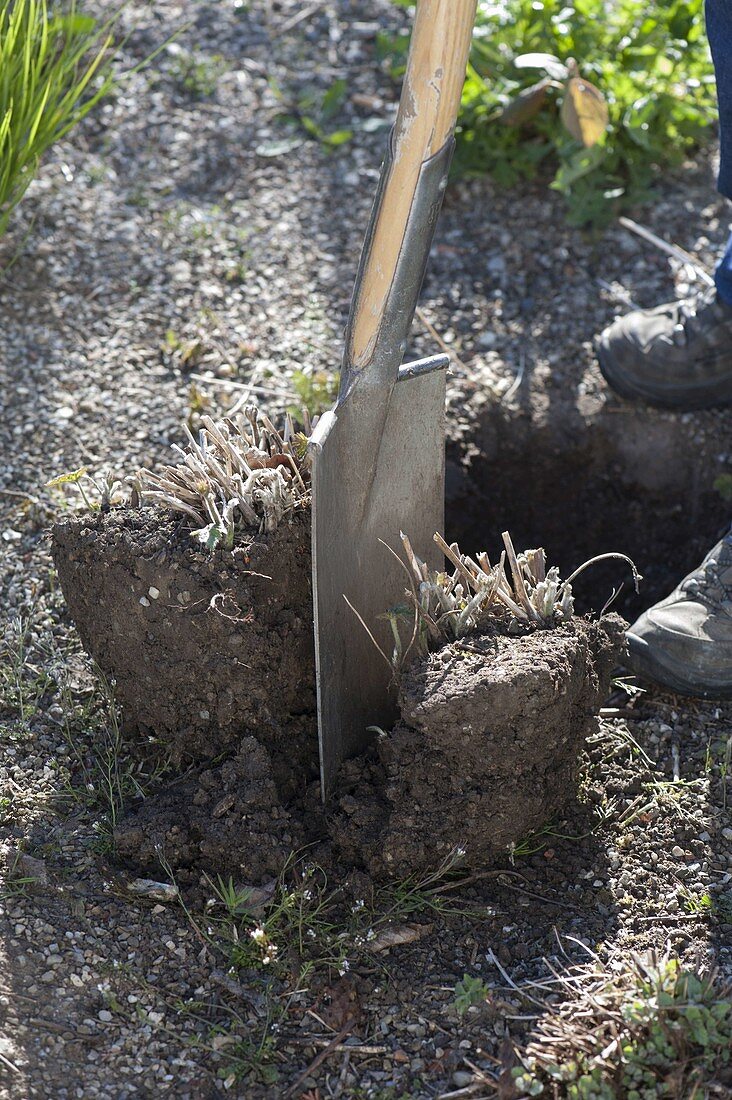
[(678, 356), (685, 641)]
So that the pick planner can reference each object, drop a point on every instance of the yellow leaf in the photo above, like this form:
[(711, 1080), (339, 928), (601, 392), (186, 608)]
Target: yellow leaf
[(66, 479), (584, 111)]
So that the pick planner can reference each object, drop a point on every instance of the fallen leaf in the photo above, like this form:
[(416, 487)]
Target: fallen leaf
[(397, 934), (584, 111), (341, 1004), (153, 891)]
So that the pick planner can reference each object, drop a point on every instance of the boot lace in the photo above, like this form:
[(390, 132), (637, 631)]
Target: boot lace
[(689, 315), (711, 584)]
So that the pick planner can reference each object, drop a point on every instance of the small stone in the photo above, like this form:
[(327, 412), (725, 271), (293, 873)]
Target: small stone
[(461, 1079), (144, 601), (105, 1016), (153, 592)]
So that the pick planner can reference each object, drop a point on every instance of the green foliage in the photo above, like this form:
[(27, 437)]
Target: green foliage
[(55, 66), (316, 391), (657, 1031), (648, 58), (469, 993), (723, 486), (197, 74), (313, 112)]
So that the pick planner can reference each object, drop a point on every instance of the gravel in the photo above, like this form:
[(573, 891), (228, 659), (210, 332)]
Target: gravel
[(165, 239)]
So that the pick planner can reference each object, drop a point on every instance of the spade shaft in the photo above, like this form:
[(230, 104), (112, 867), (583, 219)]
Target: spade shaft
[(378, 455)]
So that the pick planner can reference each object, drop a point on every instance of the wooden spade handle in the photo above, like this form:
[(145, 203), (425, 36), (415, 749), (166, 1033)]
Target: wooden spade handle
[(428, 109)]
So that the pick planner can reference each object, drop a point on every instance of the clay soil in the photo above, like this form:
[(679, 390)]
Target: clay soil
[(188, 240)]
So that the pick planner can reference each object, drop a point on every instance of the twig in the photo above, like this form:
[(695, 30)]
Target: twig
[(298, 18), (373, 639), (469, 1090), (424, 320), (621, 294), (9, 1064), (672, 249), (516, 384), (491, 957), (272, 391), (320, 1058)]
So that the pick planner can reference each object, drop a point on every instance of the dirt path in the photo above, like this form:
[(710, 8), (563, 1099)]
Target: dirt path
[(172, 238)]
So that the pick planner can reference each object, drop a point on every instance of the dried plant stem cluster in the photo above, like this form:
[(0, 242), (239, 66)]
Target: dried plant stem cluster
[(240, 471), (446, 606)]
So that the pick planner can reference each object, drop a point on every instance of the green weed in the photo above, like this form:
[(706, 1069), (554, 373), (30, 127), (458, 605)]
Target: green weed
[(316, 391), (197, 74), (106, 776), (56, 64), (650, 62), (22, 682), (469, 993), (312, 112), (646, 1031)]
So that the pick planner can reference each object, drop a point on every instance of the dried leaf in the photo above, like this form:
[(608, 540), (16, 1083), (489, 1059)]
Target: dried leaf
[(584, 111), (397, 934), (341, 1004), (153, 891), (526, 104)]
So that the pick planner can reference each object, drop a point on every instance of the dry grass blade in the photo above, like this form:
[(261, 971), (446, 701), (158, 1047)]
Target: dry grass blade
[(443, 607), (239, 471)]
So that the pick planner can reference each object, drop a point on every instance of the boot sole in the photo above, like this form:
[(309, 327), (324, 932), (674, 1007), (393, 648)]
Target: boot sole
[(687, 398), (669, 673)]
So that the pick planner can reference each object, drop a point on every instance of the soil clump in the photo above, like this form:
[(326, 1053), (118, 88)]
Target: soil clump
[(487, 750), (205, 647)]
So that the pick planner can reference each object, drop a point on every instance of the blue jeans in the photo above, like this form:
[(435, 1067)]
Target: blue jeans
[(719, 29)]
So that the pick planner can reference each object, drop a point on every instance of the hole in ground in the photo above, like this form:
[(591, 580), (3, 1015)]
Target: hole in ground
[(581, 483)]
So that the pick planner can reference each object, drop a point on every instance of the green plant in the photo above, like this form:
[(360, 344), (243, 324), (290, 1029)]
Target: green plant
[(196, 73), (645, 1030), (723, 486), (469, 993), (22, 682), (55, 66), (316, 391), (106, 485), (106, 775), (698, 904), (311, 111), (647, 58)]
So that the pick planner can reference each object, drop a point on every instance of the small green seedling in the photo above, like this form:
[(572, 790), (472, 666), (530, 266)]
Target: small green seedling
[(470, 993)]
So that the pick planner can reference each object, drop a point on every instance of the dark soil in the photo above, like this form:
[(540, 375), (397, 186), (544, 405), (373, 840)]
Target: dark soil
[(487, 750), (229, 819), (583, 475), (204, 647)]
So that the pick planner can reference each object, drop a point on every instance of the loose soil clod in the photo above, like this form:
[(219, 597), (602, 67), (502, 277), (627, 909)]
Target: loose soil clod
[(228, 818)]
